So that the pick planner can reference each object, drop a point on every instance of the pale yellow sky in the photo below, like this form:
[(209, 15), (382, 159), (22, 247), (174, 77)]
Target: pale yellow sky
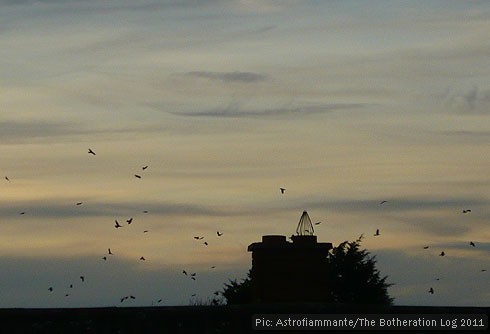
[(344, 104)]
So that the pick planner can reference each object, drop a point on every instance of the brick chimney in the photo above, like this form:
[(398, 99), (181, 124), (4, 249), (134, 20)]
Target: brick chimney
[(285, 271)]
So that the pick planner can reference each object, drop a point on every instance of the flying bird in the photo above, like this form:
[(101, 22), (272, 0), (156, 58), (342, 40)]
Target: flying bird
[(383, 202), (198, 238), (129, 221), (145, 211), (145, 231), (50, 289), (104, 258), (184, 272), (144, 167), (431, 290), (117, 224), (466, 210), (137, 176), (442, 253), (91, 152), (142, 258), (193, 278), (283, 190), (426, 247), (472, 244), (6, 178), (109, 251), (318, 223), (193, 275), (212, 267), (79, 203), (159, 301), (219, 234), (22, 213), (132, 297), (82, 278), (206, 243), (483, 270), (377, 233)]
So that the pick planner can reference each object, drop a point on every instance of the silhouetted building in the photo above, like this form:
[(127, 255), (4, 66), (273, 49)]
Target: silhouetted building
[(285, 271)]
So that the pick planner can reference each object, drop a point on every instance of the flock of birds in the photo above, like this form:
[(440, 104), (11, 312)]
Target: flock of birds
[(118, 225), (442, 253), (193, 275)]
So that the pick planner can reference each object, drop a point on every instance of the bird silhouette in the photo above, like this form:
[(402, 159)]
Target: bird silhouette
[(318, 223), (129, 221), (212, 267), (193, 275), (50, 289), (426, 247), (198, 238), (109, 251), (91, 152), (82, 278), (6, 178), (144, 167), (377, 233), (79, 203), (137, 176), (472, 244), (219, 234), (142, 259), (184, 272), (193, 278), (145, 211), (145, 231), (132, 297), (431, 290), (22, 213), (117, 224), (283, 190), (205, 242), (442, 253), (466, 210), (71, 286), (159, 301), (383, 202), (104, 258), (483, 270)]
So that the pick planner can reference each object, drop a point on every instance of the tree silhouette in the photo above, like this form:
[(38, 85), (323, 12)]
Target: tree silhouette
[(352, 278), (238, 293)]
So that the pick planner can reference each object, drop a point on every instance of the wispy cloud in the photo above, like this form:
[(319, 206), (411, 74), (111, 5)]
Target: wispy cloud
[(236, 76), (472, 100), (66, 208), (236, 112)]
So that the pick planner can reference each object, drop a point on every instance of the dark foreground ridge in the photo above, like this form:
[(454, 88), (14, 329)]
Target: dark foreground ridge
[(193, 319)]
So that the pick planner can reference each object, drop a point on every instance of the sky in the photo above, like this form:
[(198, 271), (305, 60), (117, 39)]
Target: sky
[(343, 103)]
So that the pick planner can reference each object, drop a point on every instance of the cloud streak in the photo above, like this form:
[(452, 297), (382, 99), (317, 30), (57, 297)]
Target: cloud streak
[(237, 76), (235, 112)]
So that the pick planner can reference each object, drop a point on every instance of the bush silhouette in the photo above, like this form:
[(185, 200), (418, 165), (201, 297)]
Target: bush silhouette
[(352, 278)]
